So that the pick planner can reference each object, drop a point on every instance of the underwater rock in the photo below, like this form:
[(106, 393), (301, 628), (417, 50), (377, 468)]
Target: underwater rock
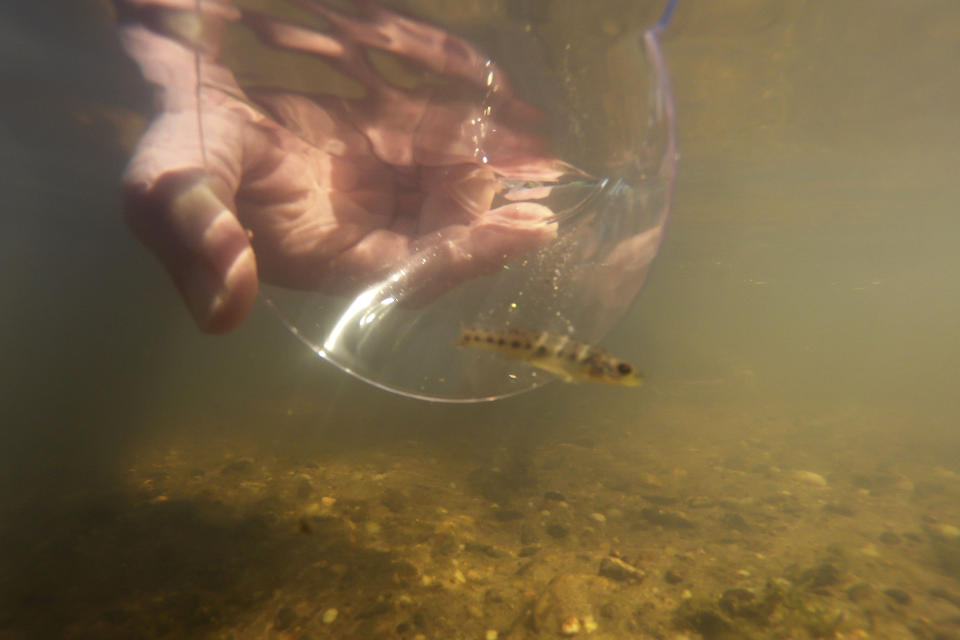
[(898, 595), (507, 515), (565, 607), (949, 596), (665, 519), (708, 623), (443, 544), (734, 602), (946, 547), (734, 521), (304, 489), (838, 509), (823, 575), (557, 531), (928, 489), (743, 603), (672, 577), (810, 477), (859, 592), (285, 618), (528, 534), (492, 484), (650, 480), (617, 569), (944, 531), (394, 500), (485, 549), (242, 466), (661, 501), (889, 537)]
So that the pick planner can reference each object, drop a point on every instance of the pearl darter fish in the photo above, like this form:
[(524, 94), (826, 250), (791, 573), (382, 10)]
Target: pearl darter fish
[(561, 355)]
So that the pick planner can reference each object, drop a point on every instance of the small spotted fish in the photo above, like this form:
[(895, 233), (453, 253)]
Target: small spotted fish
[(561, 355)]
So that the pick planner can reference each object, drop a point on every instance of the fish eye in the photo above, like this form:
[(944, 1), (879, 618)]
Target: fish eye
[(623, 368)]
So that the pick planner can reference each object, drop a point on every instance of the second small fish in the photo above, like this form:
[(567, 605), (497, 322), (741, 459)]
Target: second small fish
[(561, 355)]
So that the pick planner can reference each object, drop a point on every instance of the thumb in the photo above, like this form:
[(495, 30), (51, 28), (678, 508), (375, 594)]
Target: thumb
[(200, 242)]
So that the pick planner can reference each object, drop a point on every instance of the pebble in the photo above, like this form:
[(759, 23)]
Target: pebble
[(599, 517), (945, 531), (491, 634), (475, 576), (329, 616), (589, 624), (651, 480), (944, 474), (810, 477), (570, 626)]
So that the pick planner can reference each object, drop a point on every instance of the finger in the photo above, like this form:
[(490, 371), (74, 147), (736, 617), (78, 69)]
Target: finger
[(422, 271), (342, 54), (482, 248), (202, 245), (442, 53)]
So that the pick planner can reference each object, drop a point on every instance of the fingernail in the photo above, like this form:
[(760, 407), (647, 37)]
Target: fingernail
[(204, 291), (217, 302)]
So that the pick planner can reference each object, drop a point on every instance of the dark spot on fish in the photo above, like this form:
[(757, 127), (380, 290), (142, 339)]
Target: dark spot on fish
[(541, 351), (572, 356), (527, 345), (501, 342), (515, 344), (490, 339), (624, 368)]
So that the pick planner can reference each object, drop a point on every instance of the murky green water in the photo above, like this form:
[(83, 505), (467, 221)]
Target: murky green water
[(801, 319)]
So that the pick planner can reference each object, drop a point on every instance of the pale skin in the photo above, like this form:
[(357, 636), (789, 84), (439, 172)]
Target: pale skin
[(322, 193)]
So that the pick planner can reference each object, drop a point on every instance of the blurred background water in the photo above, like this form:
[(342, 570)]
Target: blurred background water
[(810, 265)]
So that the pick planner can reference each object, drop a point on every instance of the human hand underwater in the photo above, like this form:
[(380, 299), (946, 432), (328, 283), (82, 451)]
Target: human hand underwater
[(319, 192)]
